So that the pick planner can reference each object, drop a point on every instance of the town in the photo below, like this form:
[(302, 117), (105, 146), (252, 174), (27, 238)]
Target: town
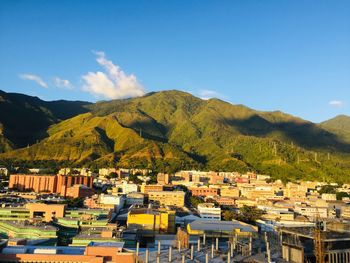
[(138, 215)]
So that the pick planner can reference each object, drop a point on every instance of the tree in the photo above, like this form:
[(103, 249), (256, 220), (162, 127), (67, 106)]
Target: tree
[(74, 202), (327, 189), (250, 214), (341, 195), (195, 200), (229, 215)]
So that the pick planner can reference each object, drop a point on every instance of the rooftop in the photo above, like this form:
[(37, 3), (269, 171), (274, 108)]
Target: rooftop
[(215, 225)]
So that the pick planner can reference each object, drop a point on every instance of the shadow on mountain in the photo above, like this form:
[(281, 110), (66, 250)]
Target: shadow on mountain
[(305, 134), (197, 157), (109, 142), (25, 118), (149, 129)]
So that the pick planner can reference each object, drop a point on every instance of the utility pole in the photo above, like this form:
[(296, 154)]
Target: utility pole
[(275, 148)]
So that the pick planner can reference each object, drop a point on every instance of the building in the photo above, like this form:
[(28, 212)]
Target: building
[(146, 188), (66, 181), (111, 201), (209, 211), (345, 212), (36, 183), (125, 188), (162, 178), (135, 198), (176, 198), (311, 211), (100, 252), (229, 192), (84, 218), (329, 197), (23, 229), (260, 193), (298, 244), (3, 171), (213, 228), (48, 183), (295, 191), (45, 212), (228, 201), (79, 191), (204, 191), (103, 172), (151, 221)]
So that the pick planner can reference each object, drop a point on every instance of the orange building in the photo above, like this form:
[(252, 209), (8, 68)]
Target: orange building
[(48, 183), (79, 190), (204, 191), (94, 253), (65, 181), (45, 211), (36, 183)]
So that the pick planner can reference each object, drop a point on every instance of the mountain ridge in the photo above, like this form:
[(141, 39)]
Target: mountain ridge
[(172, 130)]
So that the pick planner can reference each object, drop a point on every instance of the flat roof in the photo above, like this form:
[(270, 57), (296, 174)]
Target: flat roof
[(143, 211), (308, 232), (107, 244), (218, 225)]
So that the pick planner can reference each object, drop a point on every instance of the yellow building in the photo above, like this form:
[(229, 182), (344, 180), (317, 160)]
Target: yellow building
[(176, 198), (260, 193), (152, 220), (229, 191)]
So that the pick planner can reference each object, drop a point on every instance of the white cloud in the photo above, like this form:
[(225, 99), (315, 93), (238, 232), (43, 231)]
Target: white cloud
[(336, 103), (113, 83), (208, 94), (62, 83), (34, 78)]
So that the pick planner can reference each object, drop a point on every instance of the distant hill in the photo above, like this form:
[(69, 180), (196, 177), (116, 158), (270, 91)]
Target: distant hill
[(172, 130), (340, 125), (24, 119)]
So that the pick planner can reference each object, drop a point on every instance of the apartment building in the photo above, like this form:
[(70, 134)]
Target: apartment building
[(176, 198), (209, 211), (204, 191)]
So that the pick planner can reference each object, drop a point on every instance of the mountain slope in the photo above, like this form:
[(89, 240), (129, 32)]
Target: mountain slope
[(25, 119), (172, 130), (340, 125)]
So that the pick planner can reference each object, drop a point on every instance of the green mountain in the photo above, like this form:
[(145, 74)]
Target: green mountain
[(172, 130), (340, 125), (24, 119)]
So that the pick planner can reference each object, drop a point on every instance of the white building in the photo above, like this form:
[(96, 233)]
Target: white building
[(311, 211), (125, 188), (106, 171), (112, 200), (3, 171), (329, 197), (209, 211)]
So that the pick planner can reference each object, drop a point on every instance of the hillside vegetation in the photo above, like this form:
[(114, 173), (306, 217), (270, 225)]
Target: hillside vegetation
[(172, 130), (25, 119)]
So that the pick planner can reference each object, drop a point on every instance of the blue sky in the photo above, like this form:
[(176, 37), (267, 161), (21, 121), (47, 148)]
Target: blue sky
[(291, 55)]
